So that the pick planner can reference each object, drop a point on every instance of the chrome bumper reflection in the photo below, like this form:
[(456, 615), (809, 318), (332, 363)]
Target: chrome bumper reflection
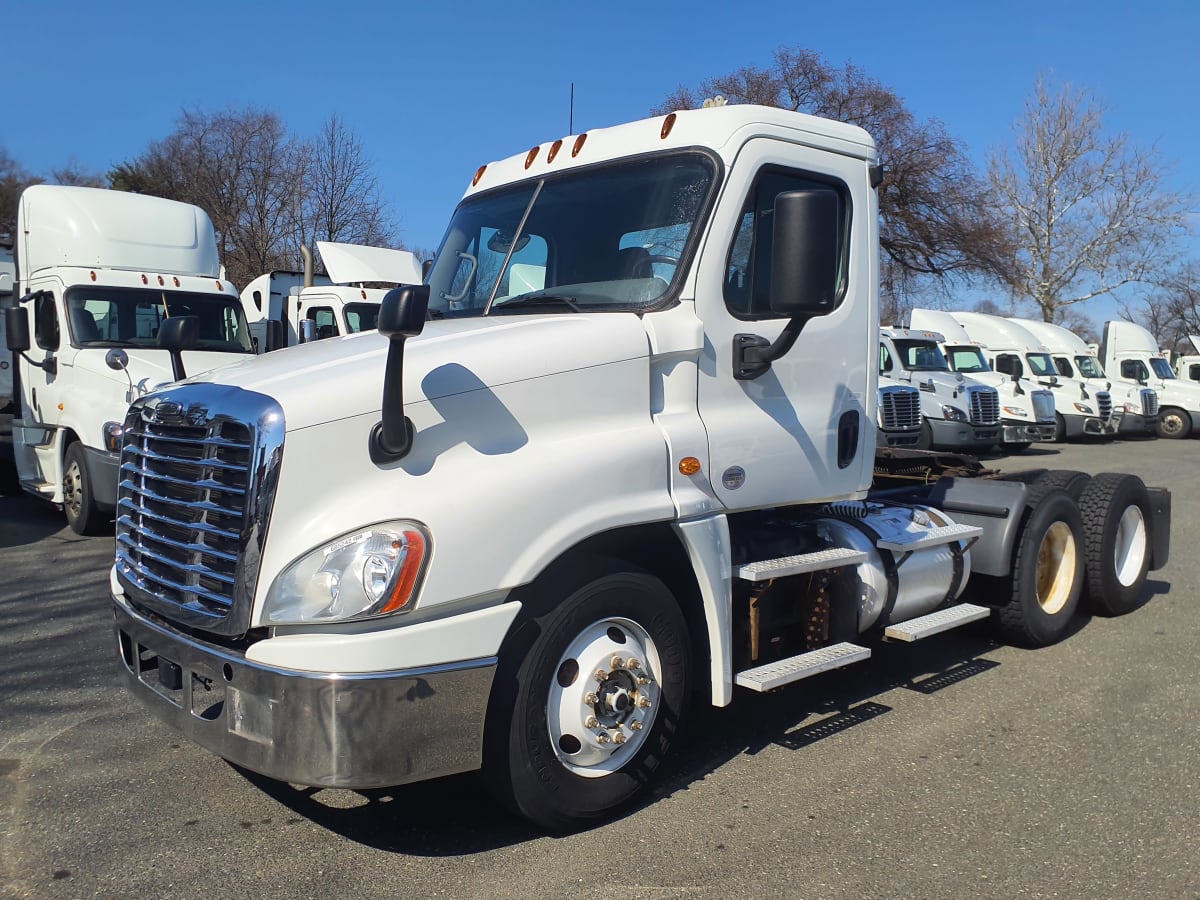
[(328, 730)]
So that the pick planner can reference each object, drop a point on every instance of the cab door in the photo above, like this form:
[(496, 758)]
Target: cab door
[(803, 431), (42, 379)]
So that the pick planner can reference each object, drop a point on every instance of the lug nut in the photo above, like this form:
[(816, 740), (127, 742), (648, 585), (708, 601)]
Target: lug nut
[(591, 722), (635, 725), (590, 698), (643, 702), (633, 663), (619, 737), (603, 738), (616, 662), (599, 674), (642, 679)]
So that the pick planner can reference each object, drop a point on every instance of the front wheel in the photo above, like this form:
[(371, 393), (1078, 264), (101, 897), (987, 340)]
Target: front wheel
[(79, 502), (1173, 423), (588, 697)]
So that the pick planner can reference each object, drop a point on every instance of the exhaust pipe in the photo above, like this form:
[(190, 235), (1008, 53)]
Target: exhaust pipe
[(308, 265)]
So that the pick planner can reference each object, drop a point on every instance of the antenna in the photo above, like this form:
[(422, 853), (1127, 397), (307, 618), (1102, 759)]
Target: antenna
[(571, 121)]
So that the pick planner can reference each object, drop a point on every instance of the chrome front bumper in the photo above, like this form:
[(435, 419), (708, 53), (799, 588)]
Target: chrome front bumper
[(1026, 432), (328, 730)]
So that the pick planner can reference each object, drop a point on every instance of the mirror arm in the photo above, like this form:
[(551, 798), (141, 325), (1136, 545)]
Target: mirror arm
[(753, 355), (392, 437), (49, 365)]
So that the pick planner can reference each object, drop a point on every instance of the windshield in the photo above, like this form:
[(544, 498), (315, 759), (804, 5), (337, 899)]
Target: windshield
[(1041, 364), (129, 317), (606, 238), (361, 317), (967, 359), (1161, 368), (920, 356), (1089, 367)]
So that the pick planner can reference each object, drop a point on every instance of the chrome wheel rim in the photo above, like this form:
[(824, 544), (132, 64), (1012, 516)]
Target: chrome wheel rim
[(73, 490), (1129, 550)]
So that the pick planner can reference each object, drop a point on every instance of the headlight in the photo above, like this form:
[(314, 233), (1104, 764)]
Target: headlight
[(1017, 411), (113, 433), (1084, 408), (373, 572), (954, 414)]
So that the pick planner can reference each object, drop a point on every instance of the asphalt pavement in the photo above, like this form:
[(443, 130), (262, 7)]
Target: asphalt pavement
[(953, 767)]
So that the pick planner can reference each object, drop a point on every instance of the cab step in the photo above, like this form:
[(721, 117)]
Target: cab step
[(946, 534), (936, 622), (784, 566), (44, 488), (776, 674)]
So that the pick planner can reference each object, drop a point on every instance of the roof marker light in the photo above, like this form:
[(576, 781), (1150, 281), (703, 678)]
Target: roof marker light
[(478, 174), (176, 280), (668, 124), (578, 144), (531, 156), (554, 148), (363, 294), (93, 274), (145, 280), (161, 281)]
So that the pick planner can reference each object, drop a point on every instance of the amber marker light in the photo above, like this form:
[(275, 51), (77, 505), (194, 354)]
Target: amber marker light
[(554, 148), (162, 282), (531, 156), (93, 274), (689, 465), (145, 280), (578, 144), (176, 280), (478, 174), (409, 570), (363, 294), (668, 124), (220, 287)]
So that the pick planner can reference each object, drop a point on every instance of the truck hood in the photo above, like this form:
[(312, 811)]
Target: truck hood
[(148, 367), (338, 378)]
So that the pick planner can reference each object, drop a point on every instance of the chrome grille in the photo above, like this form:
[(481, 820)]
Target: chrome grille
[(985, 404), (899, 408), (196, 483), (1043, 406), (1149, 403), (1104, 403)]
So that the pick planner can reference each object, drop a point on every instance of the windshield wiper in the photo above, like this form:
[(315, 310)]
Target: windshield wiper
[(539, 299)]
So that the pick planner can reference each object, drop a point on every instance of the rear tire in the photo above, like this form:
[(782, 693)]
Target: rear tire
[(1116, 517), (564, 747), (1173, 423), (1047, 573)]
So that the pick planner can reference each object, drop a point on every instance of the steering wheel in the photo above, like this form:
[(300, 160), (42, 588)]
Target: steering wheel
[(644, 269)]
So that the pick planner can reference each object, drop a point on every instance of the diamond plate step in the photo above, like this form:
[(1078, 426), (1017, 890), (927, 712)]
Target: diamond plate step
[(946, 534), (936, 622), (776, 674), (798, 565)]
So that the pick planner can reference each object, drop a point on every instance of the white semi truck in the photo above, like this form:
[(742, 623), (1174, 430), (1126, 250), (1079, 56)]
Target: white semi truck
[(8, 275), (1132, 358), (521, 525), (102, 272), (1027, 410), (1135, 407), (1187, 366), (310, 307), (957, 413)]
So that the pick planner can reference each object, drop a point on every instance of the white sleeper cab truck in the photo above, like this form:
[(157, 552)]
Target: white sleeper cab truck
[(270, 299), (1135, 407), (957, 413), (8, 274), (1028, 410), (1132, 358), (125, 293), (616, 453), (1187, 366), (313, 307)]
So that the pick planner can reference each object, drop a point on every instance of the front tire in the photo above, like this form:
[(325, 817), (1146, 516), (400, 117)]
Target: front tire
[(1014, 448), (925, 439), (79, 502), (1116, 517), (1047, 574), (1173, 423), (588, 696)]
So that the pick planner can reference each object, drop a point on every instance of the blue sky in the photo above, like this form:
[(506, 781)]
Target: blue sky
[(434, 90)]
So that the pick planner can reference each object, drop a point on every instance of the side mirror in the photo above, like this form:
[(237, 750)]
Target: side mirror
[(16, 326), (276, 334), (804, 274), (308, 331), (116, 359), (401, 316), (176, 334)]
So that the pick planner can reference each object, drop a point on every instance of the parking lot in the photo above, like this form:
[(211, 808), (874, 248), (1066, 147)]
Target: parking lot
[(953, 767)]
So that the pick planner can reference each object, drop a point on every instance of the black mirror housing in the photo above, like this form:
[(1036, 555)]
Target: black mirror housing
[(16, 328), (804, 253), (176, 334), (403, 311)]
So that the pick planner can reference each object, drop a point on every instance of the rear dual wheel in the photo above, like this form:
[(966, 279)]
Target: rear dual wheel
[(1117, 517)]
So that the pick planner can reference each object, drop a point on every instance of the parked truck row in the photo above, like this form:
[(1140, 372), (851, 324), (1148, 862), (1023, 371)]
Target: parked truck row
[(619, 450)]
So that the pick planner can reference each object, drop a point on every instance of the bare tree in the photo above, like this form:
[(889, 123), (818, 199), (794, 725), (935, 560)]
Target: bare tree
[(934, 221), (1089, 213), (341, 199), (243, 169), (1172, 311), (74, 173)]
